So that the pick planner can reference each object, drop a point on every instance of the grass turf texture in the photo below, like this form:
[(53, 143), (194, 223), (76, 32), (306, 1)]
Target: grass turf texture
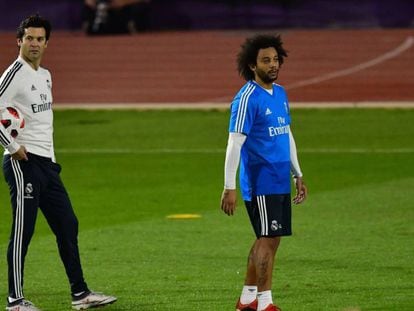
[(352, 247)]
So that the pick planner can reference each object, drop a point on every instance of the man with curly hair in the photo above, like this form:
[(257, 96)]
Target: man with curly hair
[(260, 139)]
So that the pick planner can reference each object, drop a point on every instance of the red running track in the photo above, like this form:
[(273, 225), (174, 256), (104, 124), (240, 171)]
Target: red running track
[(200, 67)]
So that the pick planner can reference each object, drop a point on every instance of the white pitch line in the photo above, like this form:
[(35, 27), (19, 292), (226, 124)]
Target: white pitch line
[(222, 151), (225, 106), (142, 151), (407, 44), (358, 150)]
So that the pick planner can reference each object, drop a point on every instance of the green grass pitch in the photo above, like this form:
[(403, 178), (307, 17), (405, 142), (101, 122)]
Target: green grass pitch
[(353, 242)]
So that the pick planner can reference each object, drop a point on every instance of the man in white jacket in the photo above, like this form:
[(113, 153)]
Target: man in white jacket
[(31, 171)]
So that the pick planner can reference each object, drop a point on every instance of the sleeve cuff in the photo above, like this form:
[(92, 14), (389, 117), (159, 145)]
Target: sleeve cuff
[(230, 186), (13, 147)]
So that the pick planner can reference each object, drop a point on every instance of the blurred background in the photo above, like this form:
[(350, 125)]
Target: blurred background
[(110, 16), (182, 51)]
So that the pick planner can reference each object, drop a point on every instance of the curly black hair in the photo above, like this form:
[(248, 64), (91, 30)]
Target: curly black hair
[(36, 21), (250, 49)]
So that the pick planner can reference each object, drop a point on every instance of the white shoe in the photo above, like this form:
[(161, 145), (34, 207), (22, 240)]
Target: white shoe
[(92, 300), (22, 305)]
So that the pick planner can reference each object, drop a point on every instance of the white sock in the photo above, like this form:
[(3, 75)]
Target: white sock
[(248, 294), (264, 299)]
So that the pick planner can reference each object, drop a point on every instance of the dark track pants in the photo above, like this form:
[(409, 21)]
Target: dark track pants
[(36, 184)]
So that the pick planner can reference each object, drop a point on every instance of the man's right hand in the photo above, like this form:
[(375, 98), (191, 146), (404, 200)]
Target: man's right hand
[(20, 154), (228, 201)]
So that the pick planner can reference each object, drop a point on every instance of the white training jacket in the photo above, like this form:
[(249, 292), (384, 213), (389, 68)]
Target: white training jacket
[(30, 91)]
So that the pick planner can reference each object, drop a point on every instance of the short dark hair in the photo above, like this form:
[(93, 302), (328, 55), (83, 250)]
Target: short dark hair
[(36, 21), (250, 49)]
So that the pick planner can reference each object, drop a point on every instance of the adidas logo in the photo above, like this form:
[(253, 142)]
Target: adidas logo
[(268, 111), (33, 88)]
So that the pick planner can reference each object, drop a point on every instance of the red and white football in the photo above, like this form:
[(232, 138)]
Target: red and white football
[(12, 119)]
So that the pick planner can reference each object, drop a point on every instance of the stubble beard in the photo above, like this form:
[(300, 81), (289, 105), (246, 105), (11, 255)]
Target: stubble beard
[(266, 78)]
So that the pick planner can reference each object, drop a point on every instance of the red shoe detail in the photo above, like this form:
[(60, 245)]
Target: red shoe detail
[(249, 307), (272, 307)]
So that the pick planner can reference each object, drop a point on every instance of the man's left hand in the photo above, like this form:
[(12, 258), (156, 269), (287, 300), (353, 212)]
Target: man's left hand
[(301, 191)]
